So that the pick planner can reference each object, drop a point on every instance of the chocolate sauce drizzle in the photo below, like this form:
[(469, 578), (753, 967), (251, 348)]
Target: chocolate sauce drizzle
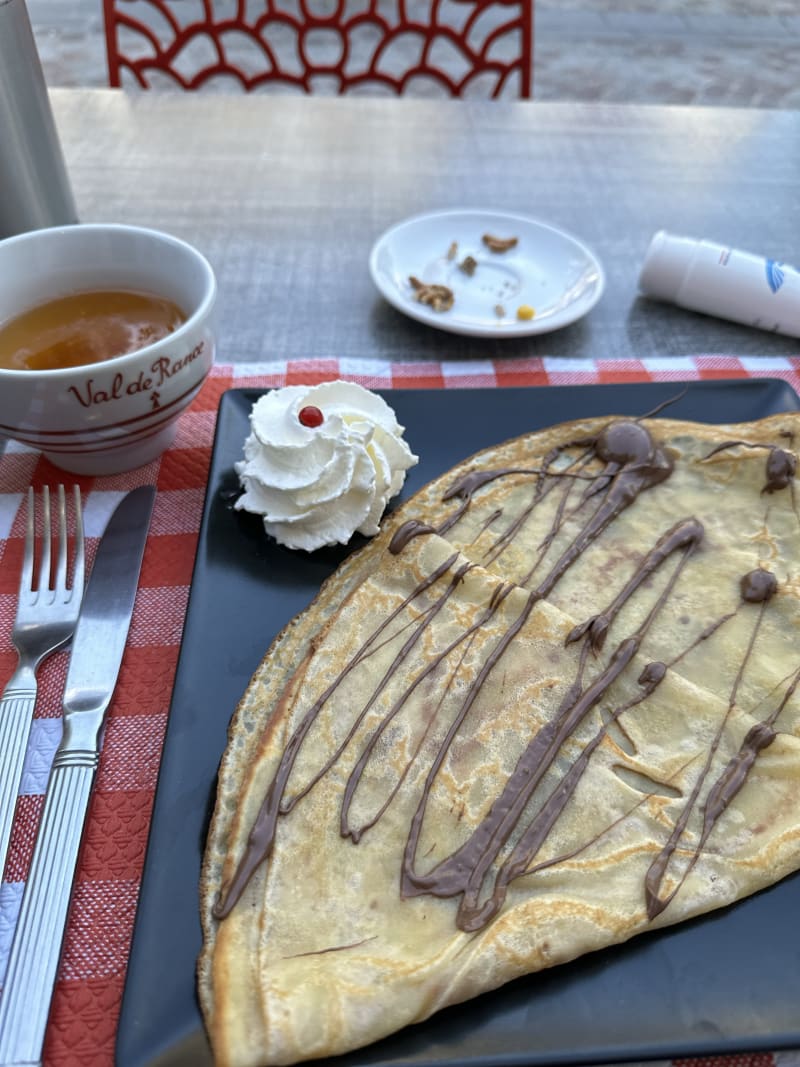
[(482, 867), (757, 587), (781, 465)]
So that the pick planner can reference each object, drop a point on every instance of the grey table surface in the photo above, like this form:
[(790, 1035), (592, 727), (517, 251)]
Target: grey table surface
[(286, 195)]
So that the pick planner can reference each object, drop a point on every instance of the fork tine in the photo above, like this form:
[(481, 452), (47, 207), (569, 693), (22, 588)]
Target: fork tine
[(44, 558), (26, 577), (61, 559), (78, 563)]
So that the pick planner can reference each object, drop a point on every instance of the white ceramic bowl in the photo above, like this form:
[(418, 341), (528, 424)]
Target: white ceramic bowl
[(111, 416)]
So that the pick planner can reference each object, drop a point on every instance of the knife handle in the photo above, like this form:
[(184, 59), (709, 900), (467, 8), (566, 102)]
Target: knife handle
[(16, 711), (36, 948)]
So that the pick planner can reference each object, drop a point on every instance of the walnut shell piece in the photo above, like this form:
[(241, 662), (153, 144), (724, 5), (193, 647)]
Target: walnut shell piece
[(499, 244), (437, 297)]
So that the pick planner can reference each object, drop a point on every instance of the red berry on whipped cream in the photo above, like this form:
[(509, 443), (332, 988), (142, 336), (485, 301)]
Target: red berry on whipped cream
[(311, 416)]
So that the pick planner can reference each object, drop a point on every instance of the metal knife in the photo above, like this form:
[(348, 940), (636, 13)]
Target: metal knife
[(97, 650)]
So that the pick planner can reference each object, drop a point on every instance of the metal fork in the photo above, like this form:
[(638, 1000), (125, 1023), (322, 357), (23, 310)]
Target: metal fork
[(46, 616)]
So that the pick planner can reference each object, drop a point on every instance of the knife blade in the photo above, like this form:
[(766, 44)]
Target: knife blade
[(98, 646)]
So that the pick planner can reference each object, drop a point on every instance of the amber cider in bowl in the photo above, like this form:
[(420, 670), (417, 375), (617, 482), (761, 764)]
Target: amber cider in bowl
[(106, 336), (86, 327)]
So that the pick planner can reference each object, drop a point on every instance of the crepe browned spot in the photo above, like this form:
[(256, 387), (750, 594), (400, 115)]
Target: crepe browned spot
[(552, 705)]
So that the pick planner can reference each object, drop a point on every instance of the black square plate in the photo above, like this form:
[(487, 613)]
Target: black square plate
[(727, 982)]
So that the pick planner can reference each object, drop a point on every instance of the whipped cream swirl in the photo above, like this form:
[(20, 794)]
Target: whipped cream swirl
[(317, 485)]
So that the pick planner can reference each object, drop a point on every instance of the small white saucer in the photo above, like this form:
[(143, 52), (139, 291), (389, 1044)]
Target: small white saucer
[(547, 270)]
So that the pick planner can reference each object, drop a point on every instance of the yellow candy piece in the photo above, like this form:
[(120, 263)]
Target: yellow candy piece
[(525, 311)]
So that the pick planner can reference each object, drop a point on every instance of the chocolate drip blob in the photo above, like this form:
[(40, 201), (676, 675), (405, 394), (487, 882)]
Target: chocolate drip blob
[(781, 468), (758, 586)]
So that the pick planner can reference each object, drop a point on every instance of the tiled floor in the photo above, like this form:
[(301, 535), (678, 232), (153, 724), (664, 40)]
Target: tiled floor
[(727, 52)]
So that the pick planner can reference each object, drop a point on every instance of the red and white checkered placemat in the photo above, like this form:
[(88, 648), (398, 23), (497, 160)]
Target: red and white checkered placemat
[(92, 974)]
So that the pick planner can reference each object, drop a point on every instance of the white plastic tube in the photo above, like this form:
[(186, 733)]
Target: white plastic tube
[(725, 282)]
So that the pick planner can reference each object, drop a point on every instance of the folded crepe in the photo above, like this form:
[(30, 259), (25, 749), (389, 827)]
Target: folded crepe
[(552, 705)]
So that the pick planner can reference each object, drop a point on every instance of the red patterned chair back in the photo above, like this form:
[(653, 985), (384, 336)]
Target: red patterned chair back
[(481, 48)]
